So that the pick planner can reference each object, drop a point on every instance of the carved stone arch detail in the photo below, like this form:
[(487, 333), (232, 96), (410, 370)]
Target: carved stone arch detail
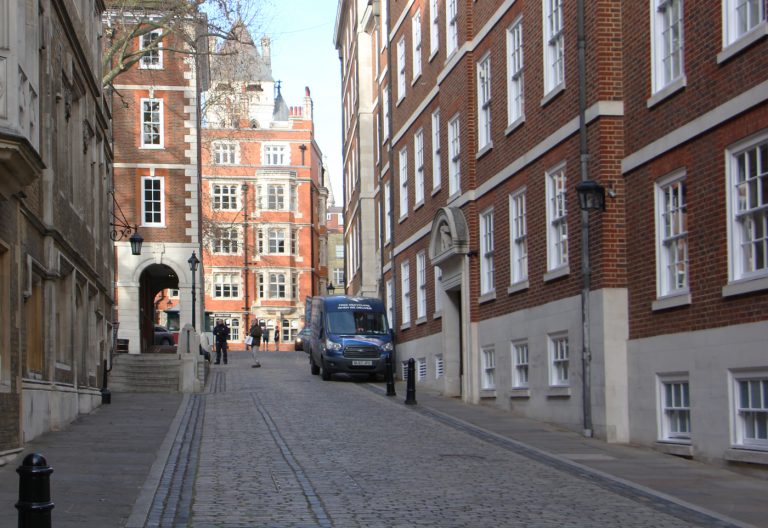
[(449, 236)]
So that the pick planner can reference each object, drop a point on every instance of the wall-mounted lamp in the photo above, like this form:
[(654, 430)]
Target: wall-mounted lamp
[(591, 195), (121, 228), (330, 288)]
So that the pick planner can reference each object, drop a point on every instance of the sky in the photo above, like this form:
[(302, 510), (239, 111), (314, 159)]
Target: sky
[(303, 54)]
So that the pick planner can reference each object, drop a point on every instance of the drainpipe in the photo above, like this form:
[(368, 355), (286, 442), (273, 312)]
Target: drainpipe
[(392, 224), (586, 269)]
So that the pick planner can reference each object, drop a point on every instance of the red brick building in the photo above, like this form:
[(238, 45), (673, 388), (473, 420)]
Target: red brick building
[(695, 165), (157, 183), (264, 198), (485, 117)]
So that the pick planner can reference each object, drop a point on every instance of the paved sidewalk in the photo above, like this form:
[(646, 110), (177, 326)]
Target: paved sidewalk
[(100, 462), (106, 464), (705, 488)]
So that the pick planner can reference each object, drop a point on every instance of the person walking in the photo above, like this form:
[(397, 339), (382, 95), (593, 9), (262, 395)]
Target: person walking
[(265, 338), (277, 338), (255, 333), (221, 335)]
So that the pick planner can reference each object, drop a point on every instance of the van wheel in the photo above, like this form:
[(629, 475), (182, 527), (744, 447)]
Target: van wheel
[(314, 369), (326, 374)]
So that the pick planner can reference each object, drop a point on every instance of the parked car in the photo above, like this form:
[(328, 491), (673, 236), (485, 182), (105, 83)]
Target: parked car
[(163, 336), (301, 338)]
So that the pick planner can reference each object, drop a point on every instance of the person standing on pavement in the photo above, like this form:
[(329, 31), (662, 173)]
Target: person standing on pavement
[(221, 334), (265, 338), (277, 338), (255, 333)]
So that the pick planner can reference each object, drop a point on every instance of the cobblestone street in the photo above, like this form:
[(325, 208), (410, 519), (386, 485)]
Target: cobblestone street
[(280, 447)]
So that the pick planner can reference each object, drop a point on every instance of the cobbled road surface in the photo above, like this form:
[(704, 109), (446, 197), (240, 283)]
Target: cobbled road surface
[(278, 447)]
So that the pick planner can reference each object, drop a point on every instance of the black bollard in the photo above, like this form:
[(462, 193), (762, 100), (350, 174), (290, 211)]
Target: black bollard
[(35, 503), (410, 393), (390, 376), (106, 394)]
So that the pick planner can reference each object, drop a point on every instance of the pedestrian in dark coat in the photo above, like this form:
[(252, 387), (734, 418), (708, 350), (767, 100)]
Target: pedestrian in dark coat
[(221, 335)]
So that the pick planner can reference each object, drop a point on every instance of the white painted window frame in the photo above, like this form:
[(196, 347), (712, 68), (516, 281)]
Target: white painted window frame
[(559, 359), (222, 280), (436, 164), (401, 67), (434, 27), (421, 285), (557, 218), (144, 42), (484, 102), (487, 281), (515, 78), (750, 409), (403, 181), (518, 237), (454, 156), (418, 152), (416, 44), (225, 197), (451, 27), (405, 293), (667, 43), (520, 364), (158, 122), (672, 271), (554, 45), (744, 252), (144, 181), (488, 368), (674, 415), (740, 31)]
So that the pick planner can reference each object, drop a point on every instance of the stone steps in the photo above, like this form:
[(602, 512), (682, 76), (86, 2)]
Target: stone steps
[(145, 373)]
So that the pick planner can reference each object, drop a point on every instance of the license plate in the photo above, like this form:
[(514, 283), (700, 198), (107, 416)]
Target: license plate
[(361, 363)]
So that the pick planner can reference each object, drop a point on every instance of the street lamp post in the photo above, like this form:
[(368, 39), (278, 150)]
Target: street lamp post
[(193, 262), (591, 197)]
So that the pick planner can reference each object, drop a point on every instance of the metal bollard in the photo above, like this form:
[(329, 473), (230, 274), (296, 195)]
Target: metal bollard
[(410, 393), (106, 394), (390, 376), (35, 503)]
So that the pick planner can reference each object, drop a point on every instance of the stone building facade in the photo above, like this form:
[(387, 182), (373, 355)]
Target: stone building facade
[(56, 257)]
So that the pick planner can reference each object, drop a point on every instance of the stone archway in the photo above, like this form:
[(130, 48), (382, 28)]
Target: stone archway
[(153, 279), (449, 250)]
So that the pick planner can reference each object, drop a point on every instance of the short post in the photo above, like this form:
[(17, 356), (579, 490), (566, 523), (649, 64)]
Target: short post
[(106, 395), (390, 376), (410, 393), (35, 503)]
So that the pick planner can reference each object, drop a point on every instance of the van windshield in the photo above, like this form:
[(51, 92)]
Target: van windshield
[(357, 323)]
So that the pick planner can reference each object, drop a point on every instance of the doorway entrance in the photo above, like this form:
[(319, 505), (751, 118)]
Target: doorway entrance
[(153, 280)]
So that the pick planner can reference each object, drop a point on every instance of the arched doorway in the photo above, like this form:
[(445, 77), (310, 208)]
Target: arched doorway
[(449, 249), (154, 278)]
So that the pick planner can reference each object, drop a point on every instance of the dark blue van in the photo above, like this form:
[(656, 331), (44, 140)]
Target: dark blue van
[(348, 334)]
